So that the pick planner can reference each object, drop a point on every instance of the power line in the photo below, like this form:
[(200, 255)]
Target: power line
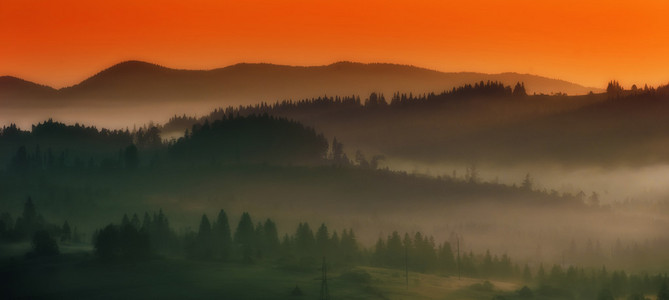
[(325, 293)]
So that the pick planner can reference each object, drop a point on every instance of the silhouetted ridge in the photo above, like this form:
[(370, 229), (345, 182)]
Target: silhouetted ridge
[(129, 69), (254, 139), (11, 86), (136, 72)]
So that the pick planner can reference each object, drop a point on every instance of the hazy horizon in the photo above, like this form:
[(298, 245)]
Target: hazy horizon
[(263, 149), (84, 77), (528, 37)]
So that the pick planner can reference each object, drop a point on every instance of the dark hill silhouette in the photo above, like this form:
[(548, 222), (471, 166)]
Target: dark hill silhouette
[(486, 123), (136, 92), (251, 83), (14, 89)]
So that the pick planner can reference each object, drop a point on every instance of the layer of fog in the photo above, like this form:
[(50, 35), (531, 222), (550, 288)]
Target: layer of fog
[(619, 184), (103, 116)]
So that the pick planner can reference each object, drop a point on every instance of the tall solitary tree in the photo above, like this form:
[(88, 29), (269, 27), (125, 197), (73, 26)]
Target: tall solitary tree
[(222, 236), (271, 237), (245, 235), (204, 240), (527, 182), (66, 232)]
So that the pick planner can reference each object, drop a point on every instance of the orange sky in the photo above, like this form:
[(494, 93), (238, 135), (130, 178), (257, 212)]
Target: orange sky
[(59, 43)]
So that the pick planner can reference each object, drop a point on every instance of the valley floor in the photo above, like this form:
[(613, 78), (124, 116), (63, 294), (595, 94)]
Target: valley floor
[(80, 276)]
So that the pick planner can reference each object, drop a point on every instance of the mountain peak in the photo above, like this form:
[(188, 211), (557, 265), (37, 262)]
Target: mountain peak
[(11, 84), (133, 66)]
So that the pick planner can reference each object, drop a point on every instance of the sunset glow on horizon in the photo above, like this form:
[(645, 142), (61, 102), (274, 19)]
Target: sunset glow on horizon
[(60, 43)]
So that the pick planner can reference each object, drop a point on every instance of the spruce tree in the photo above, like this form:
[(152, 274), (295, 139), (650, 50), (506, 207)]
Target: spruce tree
[(222, 236)]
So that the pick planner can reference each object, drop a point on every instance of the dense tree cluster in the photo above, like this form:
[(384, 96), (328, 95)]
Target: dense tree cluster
[(52, 145), (374, 101), (580, 283), (136, 240), (29, 223), (32, 226), (178, 123), (124, 242), (43, 244), (251, 139), (249, 242), (420, 253), (614, 90)]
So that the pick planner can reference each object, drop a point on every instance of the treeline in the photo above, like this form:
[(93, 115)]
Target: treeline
[(615, 90), (251, 139), (250, 242), (135, 239), (572, 282), (30, 222), (52, 145), (420, 253), (619, 254), (231, 139), (488, 89), (256, 242)]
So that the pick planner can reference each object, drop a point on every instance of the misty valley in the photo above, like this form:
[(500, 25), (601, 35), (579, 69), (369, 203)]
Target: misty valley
[(484, 190)]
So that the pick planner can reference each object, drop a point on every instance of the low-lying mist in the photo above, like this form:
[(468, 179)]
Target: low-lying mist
[(612, 184)]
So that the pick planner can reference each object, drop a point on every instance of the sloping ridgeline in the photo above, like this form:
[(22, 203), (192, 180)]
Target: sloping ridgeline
[(251, 139)]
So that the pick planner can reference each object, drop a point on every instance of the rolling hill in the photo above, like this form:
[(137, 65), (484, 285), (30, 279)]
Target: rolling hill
[(135, 92)]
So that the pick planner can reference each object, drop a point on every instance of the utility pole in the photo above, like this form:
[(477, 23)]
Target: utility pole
[(457, 238), (406, 264), (325, 294)]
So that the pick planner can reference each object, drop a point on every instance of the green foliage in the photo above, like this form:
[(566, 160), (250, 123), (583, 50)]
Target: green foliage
[(65, 146), (222, 238), (663, 293), (204, 246), (66, 232), (43, 244), (131, 158), (252, 139), (122, 243), (245, 236)]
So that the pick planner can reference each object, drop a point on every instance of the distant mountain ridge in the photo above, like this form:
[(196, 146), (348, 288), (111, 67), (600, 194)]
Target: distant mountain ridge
[(139, 91), (132, 80)]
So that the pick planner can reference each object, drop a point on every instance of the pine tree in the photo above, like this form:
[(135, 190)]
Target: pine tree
[(527, 182), (304, 240), (244, 236), (204, 240), (322, 240), (519, 89), (527, 274), (446, 257), (66, 233), (222, 236), (271, 237)]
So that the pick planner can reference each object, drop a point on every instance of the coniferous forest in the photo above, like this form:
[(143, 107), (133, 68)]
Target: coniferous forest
[(388, 150), (257, 202)]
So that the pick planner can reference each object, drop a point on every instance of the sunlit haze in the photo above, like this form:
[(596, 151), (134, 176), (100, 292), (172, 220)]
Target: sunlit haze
[(268, 149), (60, 43)]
